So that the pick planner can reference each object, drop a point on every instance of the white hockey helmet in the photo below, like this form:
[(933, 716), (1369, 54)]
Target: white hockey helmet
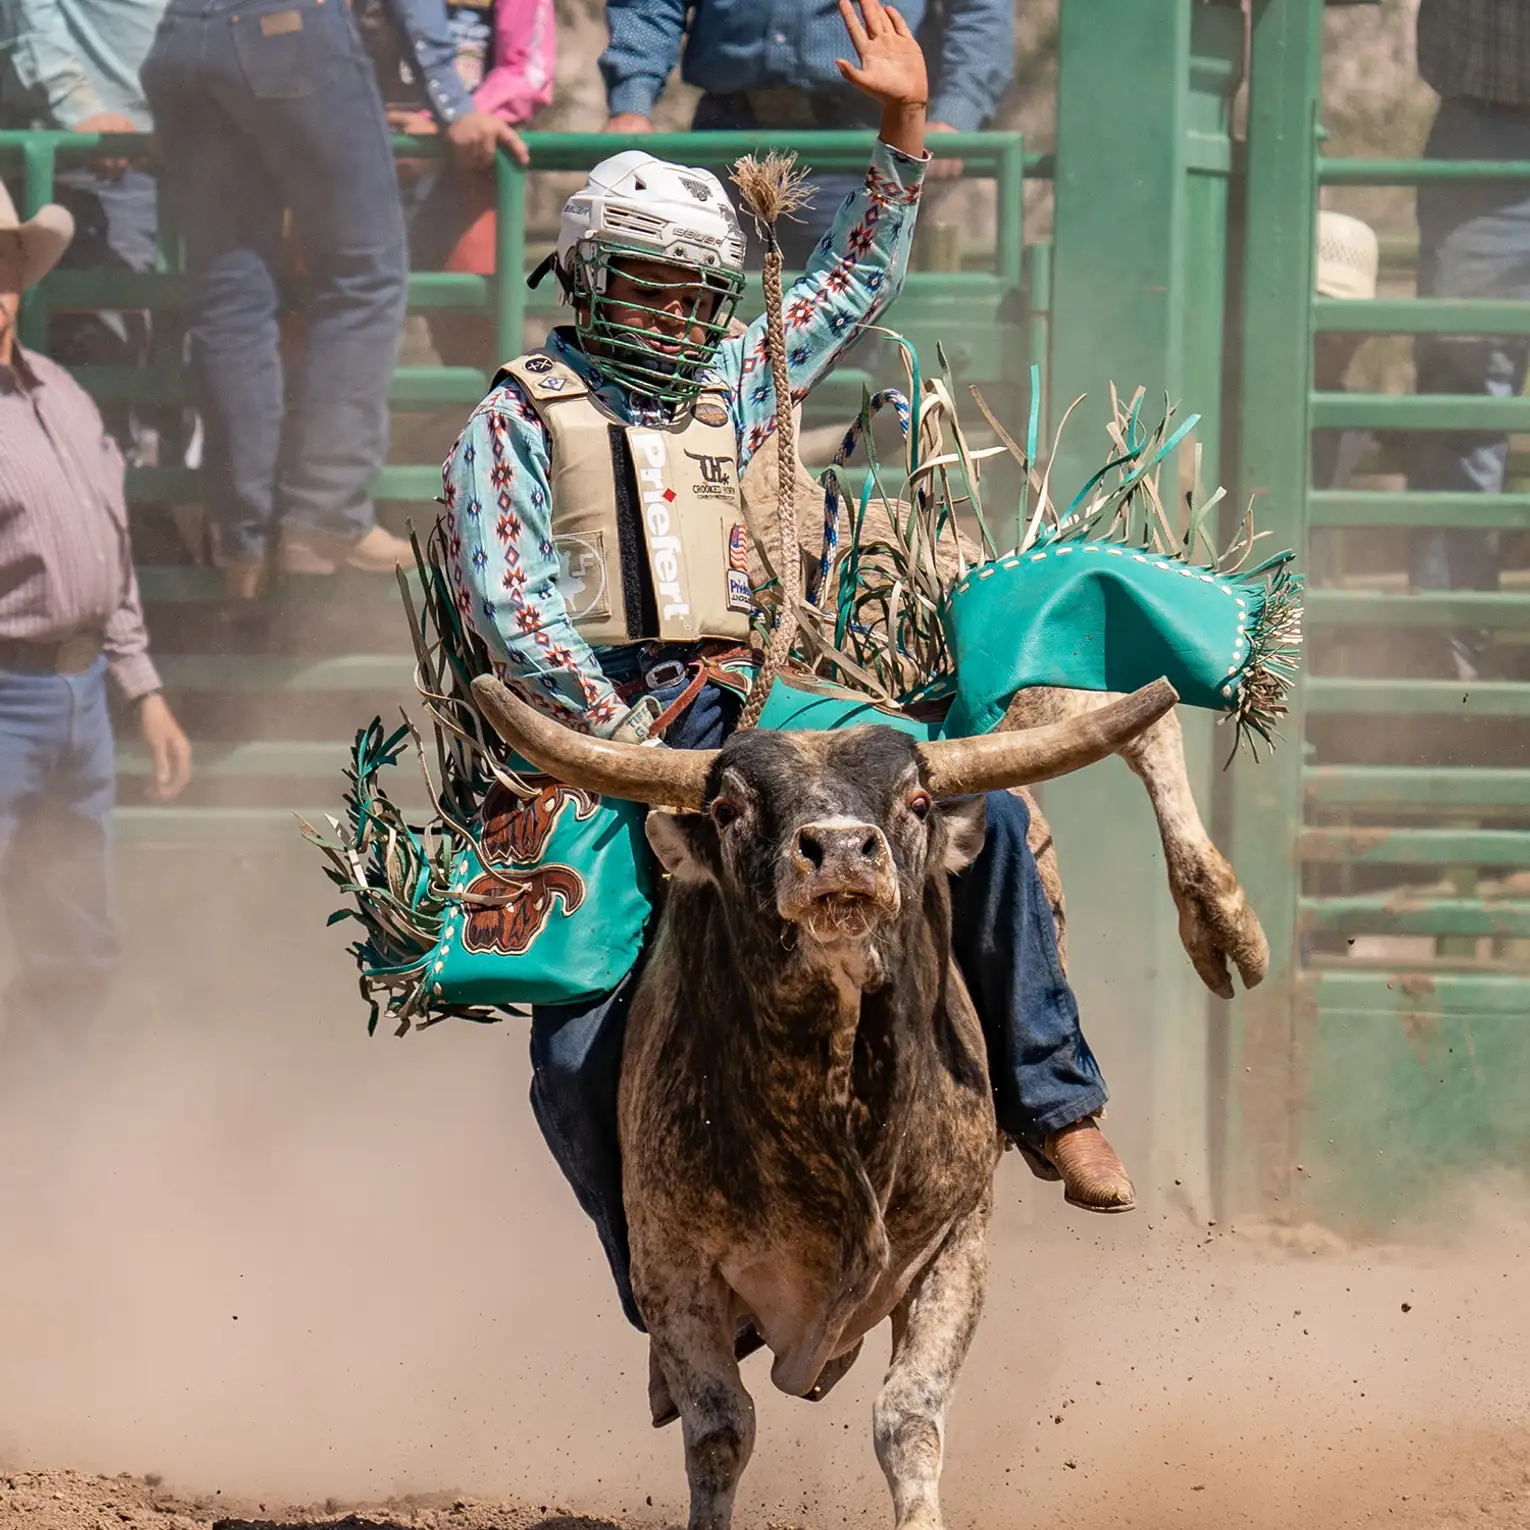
[(637, 207)]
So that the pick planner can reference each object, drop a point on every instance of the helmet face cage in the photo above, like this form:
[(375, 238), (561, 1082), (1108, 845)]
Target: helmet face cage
[(625, 352)]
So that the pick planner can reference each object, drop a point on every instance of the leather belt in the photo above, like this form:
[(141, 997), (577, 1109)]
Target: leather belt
[(72, 655), (788, 106), (700, 663)]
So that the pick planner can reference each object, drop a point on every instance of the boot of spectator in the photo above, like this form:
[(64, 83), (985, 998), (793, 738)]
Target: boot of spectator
[(378, 552)]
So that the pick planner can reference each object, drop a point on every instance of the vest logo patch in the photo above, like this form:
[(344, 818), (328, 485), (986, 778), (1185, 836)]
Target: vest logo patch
[(710, 412), (582, 575), (552, 384), (537, 364), (739, 594), (665, 555), (738, 547), (716, 476)]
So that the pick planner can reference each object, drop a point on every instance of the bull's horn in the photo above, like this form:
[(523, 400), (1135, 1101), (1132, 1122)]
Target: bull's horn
[(660, 777), (957, 767)]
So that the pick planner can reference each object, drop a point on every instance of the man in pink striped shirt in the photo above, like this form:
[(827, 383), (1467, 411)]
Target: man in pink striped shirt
[(69, 618)]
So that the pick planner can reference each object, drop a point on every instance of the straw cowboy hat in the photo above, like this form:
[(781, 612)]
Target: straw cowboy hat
[(1348, 257), (44, 237)]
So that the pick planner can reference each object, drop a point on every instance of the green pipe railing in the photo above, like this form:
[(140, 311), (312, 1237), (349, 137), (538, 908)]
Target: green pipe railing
[(1412, 172), (997, 155)]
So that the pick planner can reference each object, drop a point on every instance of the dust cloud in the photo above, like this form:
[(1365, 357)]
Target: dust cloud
[(248, 1248)]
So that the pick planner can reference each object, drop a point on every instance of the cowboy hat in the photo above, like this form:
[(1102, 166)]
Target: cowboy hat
[(44, 236)]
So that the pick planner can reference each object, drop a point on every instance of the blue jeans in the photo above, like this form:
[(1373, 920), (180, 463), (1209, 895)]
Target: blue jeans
[(1044, 1075), (255, 116), (116, 225), (1474, 242), (800, 231), (57, 788)]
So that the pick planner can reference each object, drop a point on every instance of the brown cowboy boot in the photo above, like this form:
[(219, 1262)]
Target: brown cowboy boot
[(1093, 1175)]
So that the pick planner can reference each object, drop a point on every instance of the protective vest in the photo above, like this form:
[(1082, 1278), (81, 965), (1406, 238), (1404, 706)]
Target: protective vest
[(646, 519)]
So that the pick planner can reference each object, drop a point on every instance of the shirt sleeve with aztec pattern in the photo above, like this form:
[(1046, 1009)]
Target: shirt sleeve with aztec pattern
[(504, 568), (857, 269)]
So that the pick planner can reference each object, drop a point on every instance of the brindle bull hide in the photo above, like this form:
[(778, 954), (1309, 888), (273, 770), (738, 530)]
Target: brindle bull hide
[(806, 1119), (1216, 924)]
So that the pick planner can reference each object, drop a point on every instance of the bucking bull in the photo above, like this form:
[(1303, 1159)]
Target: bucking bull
[(807, 1128)]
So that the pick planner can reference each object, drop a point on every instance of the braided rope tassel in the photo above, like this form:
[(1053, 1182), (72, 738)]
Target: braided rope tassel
[(771, 187)]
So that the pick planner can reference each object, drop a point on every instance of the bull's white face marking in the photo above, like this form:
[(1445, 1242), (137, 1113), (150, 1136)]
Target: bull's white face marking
[(666, 836), (965, 822)]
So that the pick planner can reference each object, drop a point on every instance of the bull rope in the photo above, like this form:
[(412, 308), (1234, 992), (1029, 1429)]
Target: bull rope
[(769, 188)]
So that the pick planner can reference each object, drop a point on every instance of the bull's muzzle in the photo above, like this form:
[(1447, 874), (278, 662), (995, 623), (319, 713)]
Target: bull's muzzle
[(838, 879)]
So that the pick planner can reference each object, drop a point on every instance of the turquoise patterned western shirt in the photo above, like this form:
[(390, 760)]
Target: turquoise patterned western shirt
[(498, 509)]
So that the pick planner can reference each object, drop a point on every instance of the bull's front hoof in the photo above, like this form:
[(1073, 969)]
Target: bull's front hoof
[(1219, 930), (1093, 1175)]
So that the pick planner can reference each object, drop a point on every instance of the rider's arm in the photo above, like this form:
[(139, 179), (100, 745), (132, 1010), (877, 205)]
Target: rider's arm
[(504, 570), (855, 272)]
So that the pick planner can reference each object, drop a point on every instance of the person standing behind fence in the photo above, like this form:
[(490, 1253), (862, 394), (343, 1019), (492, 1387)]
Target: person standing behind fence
[(261, 106), (507, 58), (771, 64), (72, 66), (1474, 242), (69, 619)]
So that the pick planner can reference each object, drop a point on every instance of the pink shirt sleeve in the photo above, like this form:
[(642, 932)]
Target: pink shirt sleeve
[(520, 83)]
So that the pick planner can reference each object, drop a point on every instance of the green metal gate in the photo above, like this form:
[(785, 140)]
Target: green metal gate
[(1386, 1051)]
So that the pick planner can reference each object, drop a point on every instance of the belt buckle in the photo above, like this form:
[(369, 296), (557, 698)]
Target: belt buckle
[(782, 106), (77, 653), (665, 672)]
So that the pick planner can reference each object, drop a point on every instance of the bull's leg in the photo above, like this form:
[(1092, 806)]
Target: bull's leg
[(932, 1329), (693, 1342), (1216, 925)]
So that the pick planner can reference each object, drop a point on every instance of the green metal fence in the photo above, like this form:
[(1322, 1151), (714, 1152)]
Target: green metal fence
[(271, 693), (1388, 1049)]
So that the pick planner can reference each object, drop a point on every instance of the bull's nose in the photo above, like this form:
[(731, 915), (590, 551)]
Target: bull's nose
[(835, 850)]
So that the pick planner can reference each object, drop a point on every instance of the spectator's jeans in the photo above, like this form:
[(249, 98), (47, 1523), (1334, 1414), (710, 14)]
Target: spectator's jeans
[(255, 115), (57, 787), (1474, 242), (115, 227), (801, 230), (1044, 1075)]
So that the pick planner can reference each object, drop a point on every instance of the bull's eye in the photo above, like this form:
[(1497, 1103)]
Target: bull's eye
[(723, 812), (920, 803)]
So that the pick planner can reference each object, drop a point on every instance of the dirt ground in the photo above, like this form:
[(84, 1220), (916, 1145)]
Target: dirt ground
[(255, 1260)]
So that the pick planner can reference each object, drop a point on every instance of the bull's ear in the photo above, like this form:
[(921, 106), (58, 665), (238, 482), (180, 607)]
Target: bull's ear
[(685, 843), (966, 822)]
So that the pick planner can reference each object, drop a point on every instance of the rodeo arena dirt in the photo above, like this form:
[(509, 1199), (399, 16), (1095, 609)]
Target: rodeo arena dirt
[(258, 1274)]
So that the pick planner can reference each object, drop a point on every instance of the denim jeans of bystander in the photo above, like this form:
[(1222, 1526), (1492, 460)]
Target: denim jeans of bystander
[(261, 108), (57, 790), (116, 226), (801, 230), (1474, 242)]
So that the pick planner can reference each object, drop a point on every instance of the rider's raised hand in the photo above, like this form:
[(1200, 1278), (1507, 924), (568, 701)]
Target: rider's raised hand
[(891, 70)]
